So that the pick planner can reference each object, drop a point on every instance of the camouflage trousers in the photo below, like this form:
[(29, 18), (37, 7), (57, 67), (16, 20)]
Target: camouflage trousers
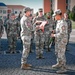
[(39, 41), (12, 42), (68, 39), (60, 48), (26, 48), (46, 39)]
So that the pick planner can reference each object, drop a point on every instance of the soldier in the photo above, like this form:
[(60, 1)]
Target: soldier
[(5, 24), (13, 31), (26, 29), (39, 35), (69, 23), (32, 35), (19, 18), (61, 36), (48, 30), (1, 31)]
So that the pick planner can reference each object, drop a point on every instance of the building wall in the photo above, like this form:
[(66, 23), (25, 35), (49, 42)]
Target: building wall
[(72, 4), (61, 4), (47, 6), (58, 4), (3, 12)]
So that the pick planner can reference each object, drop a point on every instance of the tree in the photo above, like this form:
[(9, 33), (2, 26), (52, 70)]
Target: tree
[(36, 13), (73, 9), (68, 12), (51, 12), (72, 14)]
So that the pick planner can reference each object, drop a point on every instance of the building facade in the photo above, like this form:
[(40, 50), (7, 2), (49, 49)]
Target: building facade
[(15, 9), (58, 4), (3, 11), (8, 9)]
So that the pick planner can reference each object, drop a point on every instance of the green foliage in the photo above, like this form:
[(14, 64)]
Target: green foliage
[(36, 13), (72, 14), (51, 12), (73, 9)]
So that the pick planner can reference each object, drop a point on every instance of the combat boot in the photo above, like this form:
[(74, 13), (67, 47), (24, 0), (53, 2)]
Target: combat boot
[(58, 65), (40, 57), (63, 69), (26, 66)]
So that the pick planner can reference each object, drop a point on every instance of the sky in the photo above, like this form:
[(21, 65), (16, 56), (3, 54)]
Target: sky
[(34, 4)]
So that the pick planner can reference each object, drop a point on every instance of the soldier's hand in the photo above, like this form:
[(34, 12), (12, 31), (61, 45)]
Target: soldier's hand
[(52, 35), (37, 27)]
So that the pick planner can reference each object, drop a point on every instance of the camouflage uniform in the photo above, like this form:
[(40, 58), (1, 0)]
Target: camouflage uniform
[(26, 28), (19, 18), (1, 31), (5, 25), (48, 29), (69, 23), (13, 31), (39, 38), (61, 41)]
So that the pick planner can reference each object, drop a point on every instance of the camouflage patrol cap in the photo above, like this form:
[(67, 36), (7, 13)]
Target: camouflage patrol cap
[(57, 12), (27, 9), (40, 9)]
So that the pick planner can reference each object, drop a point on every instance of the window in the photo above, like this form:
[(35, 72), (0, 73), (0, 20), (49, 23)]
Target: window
[(15, 12), (4, 11), (4, 17), (66, 7), (51, 1), (67, 1), (0, 17), (0, 11)]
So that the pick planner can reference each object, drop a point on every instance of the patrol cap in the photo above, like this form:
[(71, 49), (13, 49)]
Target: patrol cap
[(57, 12), (40, 10), (27, 9)]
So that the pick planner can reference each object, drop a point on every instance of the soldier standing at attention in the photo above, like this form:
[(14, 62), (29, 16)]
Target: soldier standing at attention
[(5, 25), (1, 31), (61, 36), (69, 23), (39, 35), (26, 29), (48, 30), (13, 31)]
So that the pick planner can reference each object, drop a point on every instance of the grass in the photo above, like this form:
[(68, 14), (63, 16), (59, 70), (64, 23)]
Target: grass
[(73, 25)]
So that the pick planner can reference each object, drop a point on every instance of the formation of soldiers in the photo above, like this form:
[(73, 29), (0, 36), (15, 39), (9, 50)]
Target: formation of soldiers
[(40, 30)]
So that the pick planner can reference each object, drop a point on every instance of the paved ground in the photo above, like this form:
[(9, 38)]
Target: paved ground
[(10, 63)]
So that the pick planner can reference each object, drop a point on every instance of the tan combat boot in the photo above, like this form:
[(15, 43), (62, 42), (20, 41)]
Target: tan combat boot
[(58, 65), (63, 69), (26, 66)]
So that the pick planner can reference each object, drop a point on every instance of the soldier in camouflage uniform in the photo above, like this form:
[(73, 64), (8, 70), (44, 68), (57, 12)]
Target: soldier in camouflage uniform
[(13, 31), (39, 35), (69, 23), (19, 18), (48, 30), (5, 25), (32, 35), (1, 31), (26, 29), (61, 36)]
